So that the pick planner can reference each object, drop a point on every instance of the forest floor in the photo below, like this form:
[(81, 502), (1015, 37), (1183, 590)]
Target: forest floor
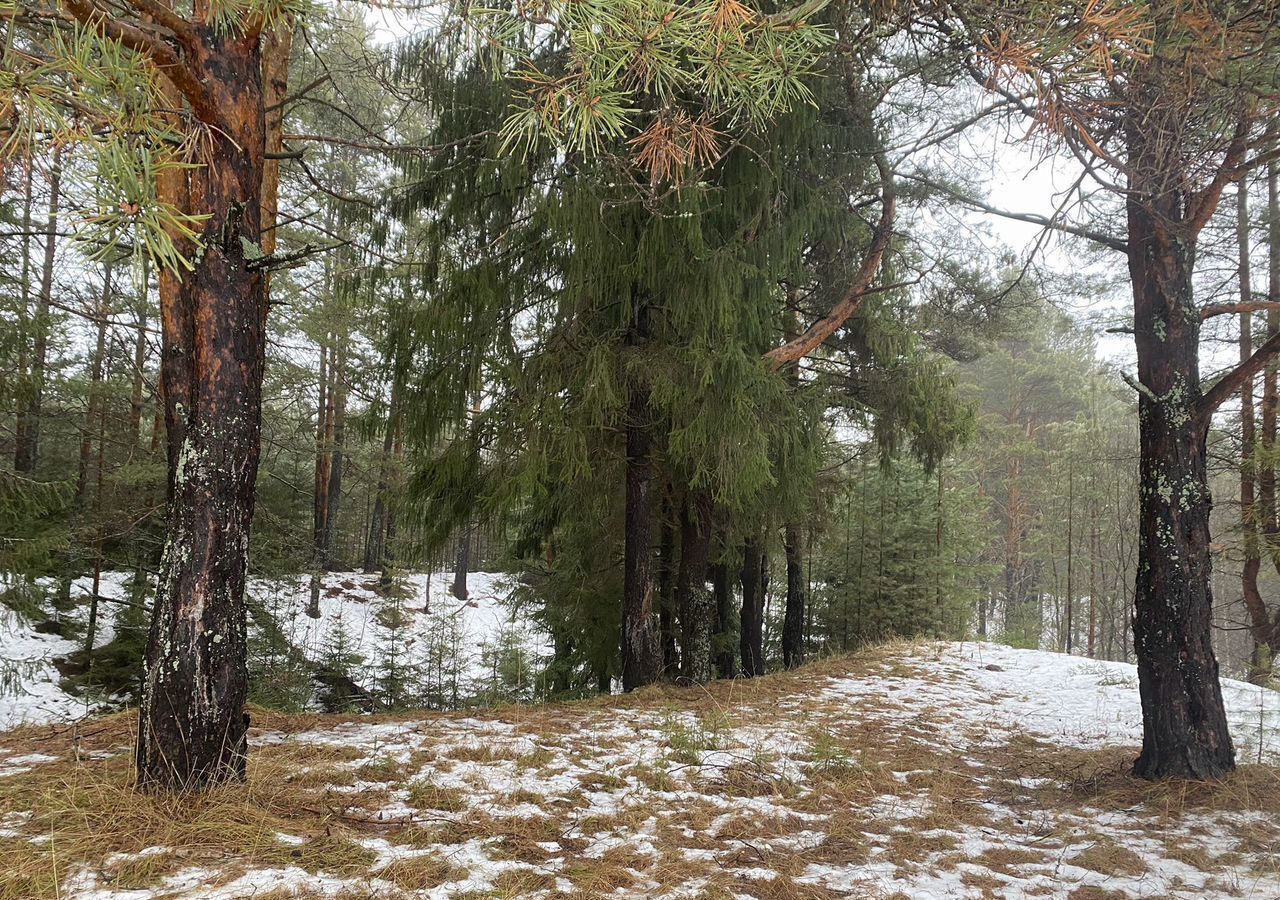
[(907, 771), (451, 641)]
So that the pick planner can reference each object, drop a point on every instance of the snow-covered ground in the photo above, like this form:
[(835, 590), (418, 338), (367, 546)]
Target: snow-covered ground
[(915, 771), (1068, 700), (30, 691), (443, 638), (448, 642)]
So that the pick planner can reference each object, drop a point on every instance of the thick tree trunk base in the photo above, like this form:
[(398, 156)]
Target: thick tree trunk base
[(192, 725), (1185, 732)]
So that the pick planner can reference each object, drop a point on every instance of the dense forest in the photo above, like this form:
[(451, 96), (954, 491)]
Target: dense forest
[(698, 321)]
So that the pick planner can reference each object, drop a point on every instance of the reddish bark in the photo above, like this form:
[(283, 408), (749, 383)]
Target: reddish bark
[(192, 724)]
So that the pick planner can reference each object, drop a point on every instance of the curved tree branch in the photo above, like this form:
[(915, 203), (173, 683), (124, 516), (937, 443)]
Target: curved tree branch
[(160, 52), (842, 311), (1229, 384), (1229, 309)]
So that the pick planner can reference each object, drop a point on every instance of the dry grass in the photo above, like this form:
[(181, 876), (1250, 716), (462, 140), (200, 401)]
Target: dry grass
[(420, 873), (91, 812), (710, 806), (1078, 779), (1007, 860), (1106, 856), (1094, 892), (429, 795), (522, 883)]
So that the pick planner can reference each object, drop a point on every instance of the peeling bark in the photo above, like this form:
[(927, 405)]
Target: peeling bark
[(192, 723)]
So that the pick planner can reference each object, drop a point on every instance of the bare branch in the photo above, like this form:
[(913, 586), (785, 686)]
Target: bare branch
[(1228, 309), (1203, 203), (1230, 383), (1107, 240), (387, 146)]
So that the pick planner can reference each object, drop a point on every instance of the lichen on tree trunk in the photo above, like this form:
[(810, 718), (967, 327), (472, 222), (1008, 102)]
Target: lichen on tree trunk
[(192, 724), (1184, 722)]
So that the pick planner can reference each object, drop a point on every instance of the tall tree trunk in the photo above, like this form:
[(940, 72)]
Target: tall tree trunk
[(722, 592), (389, 546), (641, 653), (333, 505), (1071, 525), (696, 605), (462, 563), (752, 639), (95, 387), (793, 618), (1184, 723), (192, 723), (667, 595), (1266, 468), (375, 545), (640, 649), (139, 361), (320, 491), (27, 440), (1091, 647), (1015, 606), (276, 48), (24, 305), (91, 629), (938, 533), (1261, 625)]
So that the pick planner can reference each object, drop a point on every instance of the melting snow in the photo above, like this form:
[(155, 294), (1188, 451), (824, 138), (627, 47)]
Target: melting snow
[(441, 634), (586, 781)]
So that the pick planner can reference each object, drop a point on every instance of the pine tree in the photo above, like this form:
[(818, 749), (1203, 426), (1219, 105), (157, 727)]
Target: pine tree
[(1178, 130)]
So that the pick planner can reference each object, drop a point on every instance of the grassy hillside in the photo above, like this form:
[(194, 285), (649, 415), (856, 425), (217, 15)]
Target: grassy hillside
[(910, 771)]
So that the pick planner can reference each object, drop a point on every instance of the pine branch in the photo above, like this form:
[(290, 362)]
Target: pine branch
[(165, 58), (164, 16)]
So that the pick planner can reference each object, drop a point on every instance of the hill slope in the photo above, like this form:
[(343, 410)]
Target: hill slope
[(913, 771), (452, 642)]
